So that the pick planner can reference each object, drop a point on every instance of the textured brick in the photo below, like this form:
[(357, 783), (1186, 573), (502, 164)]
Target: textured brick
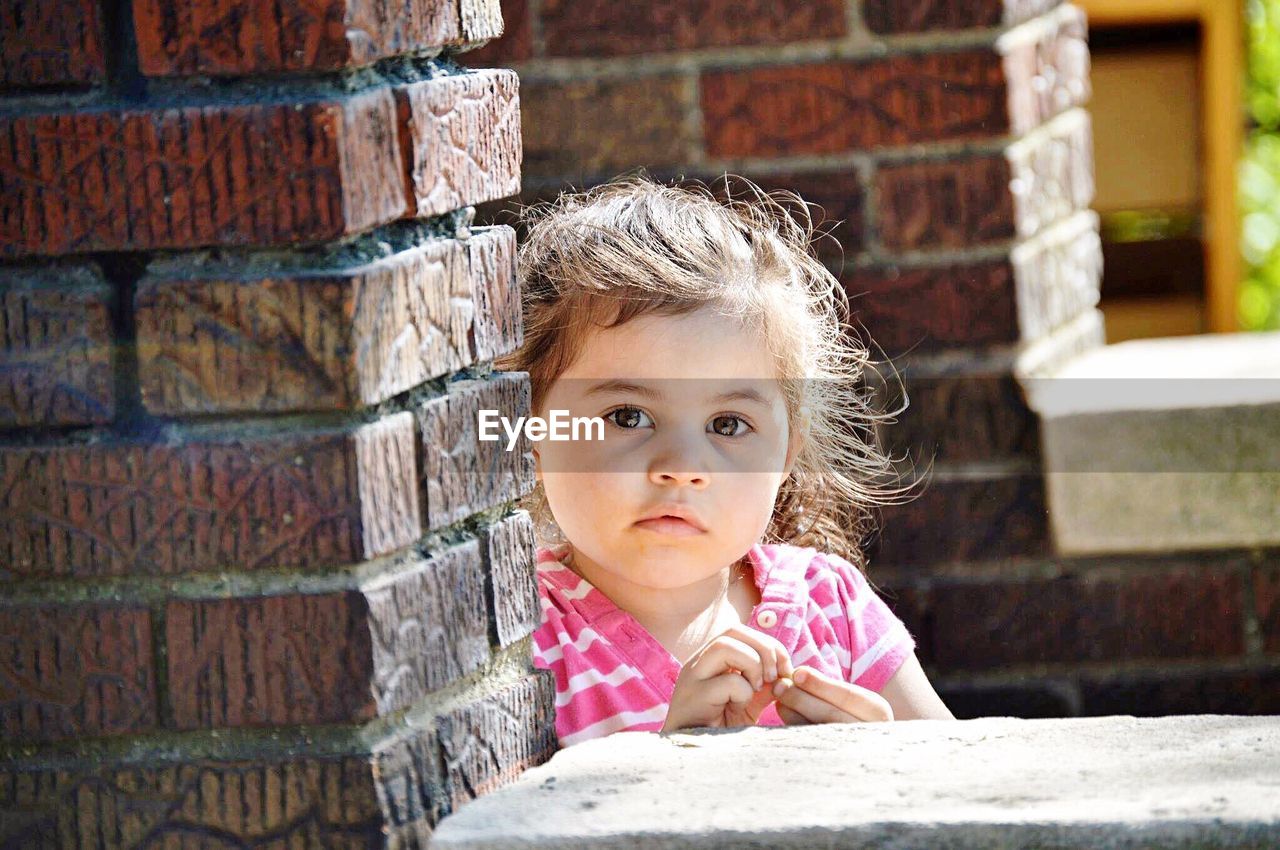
[(1159, 692), (461, 474), (833, 107), (1266, 594), (51, 42), (950, 203), (604, 28), (75, 671), (488, 743), (1052, 173), (1049, 73), (1179, 612), (600, 127), (285, 801), (898, 16), (839, 195), (516, 43), (55, 347), (968, 305), (461, 138), (510, 553), (969, 414), (1045, 283), (328, 657), (226, 174), (898, 100), (232, 37), (341, 338), (966, 519), (220, 502)]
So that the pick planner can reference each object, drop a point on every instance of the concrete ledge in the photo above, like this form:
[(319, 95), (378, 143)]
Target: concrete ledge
[(1202, 781), (1163, 445)]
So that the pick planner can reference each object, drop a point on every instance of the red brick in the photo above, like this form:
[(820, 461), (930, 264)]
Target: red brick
[(244, 174), (51, 42), (328, 657), (604, 28), (55, 343), (954, 203), (516, 43), (1044, 284), (967, 305), (601, 127), (1154, 693), (237, 339), (899, 16), (900, 99), (971, 518), (489, 743), (216, 501), (234, 37), (461, 138), (1179, 612), (834, 107), (74, 671), (1266, 594), (839, 198), (510, 552), (966, 414), (460, 473), (1029, 697)]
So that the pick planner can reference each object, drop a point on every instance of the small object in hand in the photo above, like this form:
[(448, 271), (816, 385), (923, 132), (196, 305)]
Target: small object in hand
[(782, 686)]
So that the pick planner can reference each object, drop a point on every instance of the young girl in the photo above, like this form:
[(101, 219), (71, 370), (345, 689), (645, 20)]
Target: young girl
[(695, 566)]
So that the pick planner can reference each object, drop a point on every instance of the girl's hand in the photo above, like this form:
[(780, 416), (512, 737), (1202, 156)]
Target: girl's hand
[(729, 681), (812, 697)]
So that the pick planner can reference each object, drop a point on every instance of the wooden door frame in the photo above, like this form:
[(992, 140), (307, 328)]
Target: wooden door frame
[(1223, 119)]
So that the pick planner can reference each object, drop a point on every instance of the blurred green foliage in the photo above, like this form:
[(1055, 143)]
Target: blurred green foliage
[(1260, 171)]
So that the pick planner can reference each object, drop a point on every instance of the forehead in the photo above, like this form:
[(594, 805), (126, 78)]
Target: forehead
[(703, 345)]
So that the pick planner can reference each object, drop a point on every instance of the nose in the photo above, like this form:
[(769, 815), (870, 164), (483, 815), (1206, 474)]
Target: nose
[(677, 465)]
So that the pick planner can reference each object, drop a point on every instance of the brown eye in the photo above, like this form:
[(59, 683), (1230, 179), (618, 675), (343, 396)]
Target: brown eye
[(728, 426), (628, 417)]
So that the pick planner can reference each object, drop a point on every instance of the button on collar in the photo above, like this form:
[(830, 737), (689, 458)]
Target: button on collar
[(767, 619)]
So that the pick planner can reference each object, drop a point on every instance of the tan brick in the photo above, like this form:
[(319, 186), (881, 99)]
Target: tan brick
[(604, 28), (51, 43), (461, 473), (600, 127), (1058, 275), (55, 346), (222, 501), (515, 44), (896, 16), (221, 37), (75, 671), (328, 657), (461, 136), (489, 743), (225, 174), (323, 339), (1048, 74), (510, 552), (1052, 173)]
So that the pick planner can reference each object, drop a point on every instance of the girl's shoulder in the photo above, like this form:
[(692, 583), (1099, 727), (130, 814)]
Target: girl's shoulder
[(815, 566)]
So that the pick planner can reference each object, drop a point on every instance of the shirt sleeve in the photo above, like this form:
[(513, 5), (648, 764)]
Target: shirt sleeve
[(879, 642)]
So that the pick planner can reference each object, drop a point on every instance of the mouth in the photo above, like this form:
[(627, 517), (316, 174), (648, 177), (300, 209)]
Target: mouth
[(672, 521)]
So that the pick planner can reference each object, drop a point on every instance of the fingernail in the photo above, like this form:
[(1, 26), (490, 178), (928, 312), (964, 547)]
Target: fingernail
[(780, 687), (800, 676)]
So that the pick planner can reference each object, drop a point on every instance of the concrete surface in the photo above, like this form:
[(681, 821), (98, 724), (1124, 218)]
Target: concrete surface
[(1199, 781)]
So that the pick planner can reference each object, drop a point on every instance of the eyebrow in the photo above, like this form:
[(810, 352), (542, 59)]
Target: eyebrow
[(630, 388)]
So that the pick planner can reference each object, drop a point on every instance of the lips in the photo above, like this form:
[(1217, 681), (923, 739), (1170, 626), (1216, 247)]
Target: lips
[(674, 520)]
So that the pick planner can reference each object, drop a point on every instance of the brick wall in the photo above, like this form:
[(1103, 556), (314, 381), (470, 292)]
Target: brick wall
[(261, 584), (947, 143)]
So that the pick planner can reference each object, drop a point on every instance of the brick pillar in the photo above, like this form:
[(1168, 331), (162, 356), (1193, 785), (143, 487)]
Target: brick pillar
[(947, 143), (261, 582)]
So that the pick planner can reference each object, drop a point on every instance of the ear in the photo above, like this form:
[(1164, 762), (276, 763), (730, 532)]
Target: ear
[(797, 439), (537, 466)]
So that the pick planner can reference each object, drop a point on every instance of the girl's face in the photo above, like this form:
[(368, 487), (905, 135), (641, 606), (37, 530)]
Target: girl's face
[(695, 446)]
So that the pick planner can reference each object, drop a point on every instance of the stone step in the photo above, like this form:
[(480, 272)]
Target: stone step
[(1206, 781), (1163, 444)]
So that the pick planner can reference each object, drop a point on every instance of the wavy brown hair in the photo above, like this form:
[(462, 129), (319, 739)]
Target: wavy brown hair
[(635, 247)]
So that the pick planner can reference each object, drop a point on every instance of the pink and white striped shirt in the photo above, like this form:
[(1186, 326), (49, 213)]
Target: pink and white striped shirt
[(613, 676)]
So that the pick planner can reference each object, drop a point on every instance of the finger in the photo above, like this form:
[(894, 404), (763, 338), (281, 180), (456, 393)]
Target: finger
[(733, 693), (774, 658), (791, 717), (852, 699), (813, 709), (724, 654)]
